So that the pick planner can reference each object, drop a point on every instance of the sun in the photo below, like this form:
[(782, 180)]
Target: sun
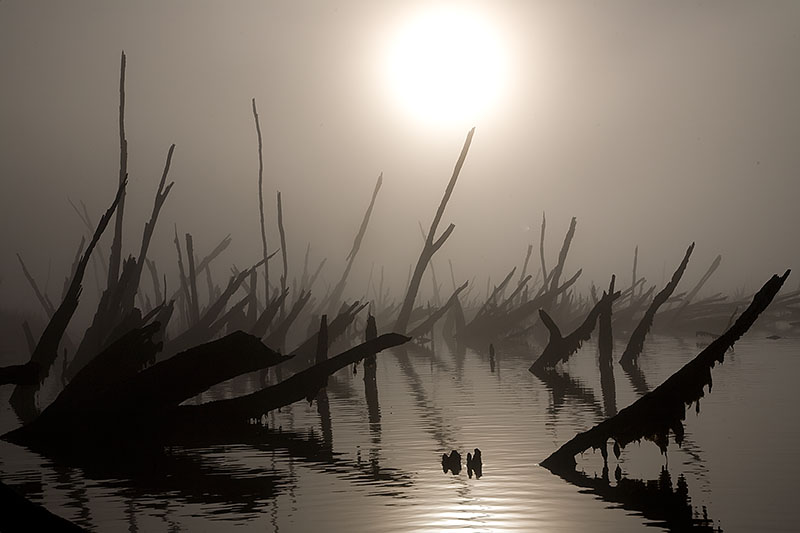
[(447, 65)]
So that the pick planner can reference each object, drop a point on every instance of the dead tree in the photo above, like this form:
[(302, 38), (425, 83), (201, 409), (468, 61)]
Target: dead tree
[(655, 414), (688, 299), (636, 342), (605, 345), (261, 203), (559, 347), (284, 254), (431, 246), (427, 324), (336, 295), (116, 245), (46, 351)]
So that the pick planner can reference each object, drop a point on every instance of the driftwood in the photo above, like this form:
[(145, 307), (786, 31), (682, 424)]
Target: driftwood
[(431, 247), (657, 413), (636, 342)]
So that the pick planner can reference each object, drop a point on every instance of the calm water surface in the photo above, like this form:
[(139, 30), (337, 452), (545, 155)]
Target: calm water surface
[(368, 467)]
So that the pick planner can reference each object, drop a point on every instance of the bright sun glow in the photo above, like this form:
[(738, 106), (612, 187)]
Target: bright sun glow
[(447, 66)]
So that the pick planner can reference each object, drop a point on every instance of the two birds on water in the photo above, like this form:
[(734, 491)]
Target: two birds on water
[(452, 463)]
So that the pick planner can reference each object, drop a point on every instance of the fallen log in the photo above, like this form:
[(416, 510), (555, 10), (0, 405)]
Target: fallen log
[(302, 385), (655, 414)]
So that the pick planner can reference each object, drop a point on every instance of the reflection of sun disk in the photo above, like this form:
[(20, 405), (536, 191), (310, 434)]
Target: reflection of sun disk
[(446, 66)]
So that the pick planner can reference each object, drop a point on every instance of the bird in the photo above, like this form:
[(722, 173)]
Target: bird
[(451, 462), (474, 464)]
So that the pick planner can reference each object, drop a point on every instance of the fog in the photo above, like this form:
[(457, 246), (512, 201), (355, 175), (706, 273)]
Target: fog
[(655, 124)]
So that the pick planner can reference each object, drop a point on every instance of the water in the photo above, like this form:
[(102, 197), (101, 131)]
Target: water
[(360, 469)]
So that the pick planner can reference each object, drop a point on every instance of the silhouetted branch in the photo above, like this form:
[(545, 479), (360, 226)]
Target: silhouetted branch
[(636, 342), (46, 352), (559, 348), (431, 246), (657, 413), (261, 203), (428, 323), (116, 246)]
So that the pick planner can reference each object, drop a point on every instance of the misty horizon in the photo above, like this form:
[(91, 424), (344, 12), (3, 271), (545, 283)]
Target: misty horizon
[(642, 157)]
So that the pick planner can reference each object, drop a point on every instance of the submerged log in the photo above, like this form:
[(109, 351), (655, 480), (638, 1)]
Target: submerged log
[(657, 413), (302, 385), (109, 390), (636, 342)]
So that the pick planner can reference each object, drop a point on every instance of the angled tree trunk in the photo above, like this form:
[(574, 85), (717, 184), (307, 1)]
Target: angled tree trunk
[(46, 352), (431, 247), (655, 414), (636, 342), (336, 295)]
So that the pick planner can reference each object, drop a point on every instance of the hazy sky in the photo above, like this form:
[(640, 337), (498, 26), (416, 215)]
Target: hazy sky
[(654, 123)]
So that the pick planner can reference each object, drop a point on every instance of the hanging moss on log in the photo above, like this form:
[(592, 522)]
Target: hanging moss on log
[(636, 342), (657, 413)]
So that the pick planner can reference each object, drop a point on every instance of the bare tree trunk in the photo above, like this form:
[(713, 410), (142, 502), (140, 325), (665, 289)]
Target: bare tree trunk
[(336, 295), (431, 246), (261, 204)]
